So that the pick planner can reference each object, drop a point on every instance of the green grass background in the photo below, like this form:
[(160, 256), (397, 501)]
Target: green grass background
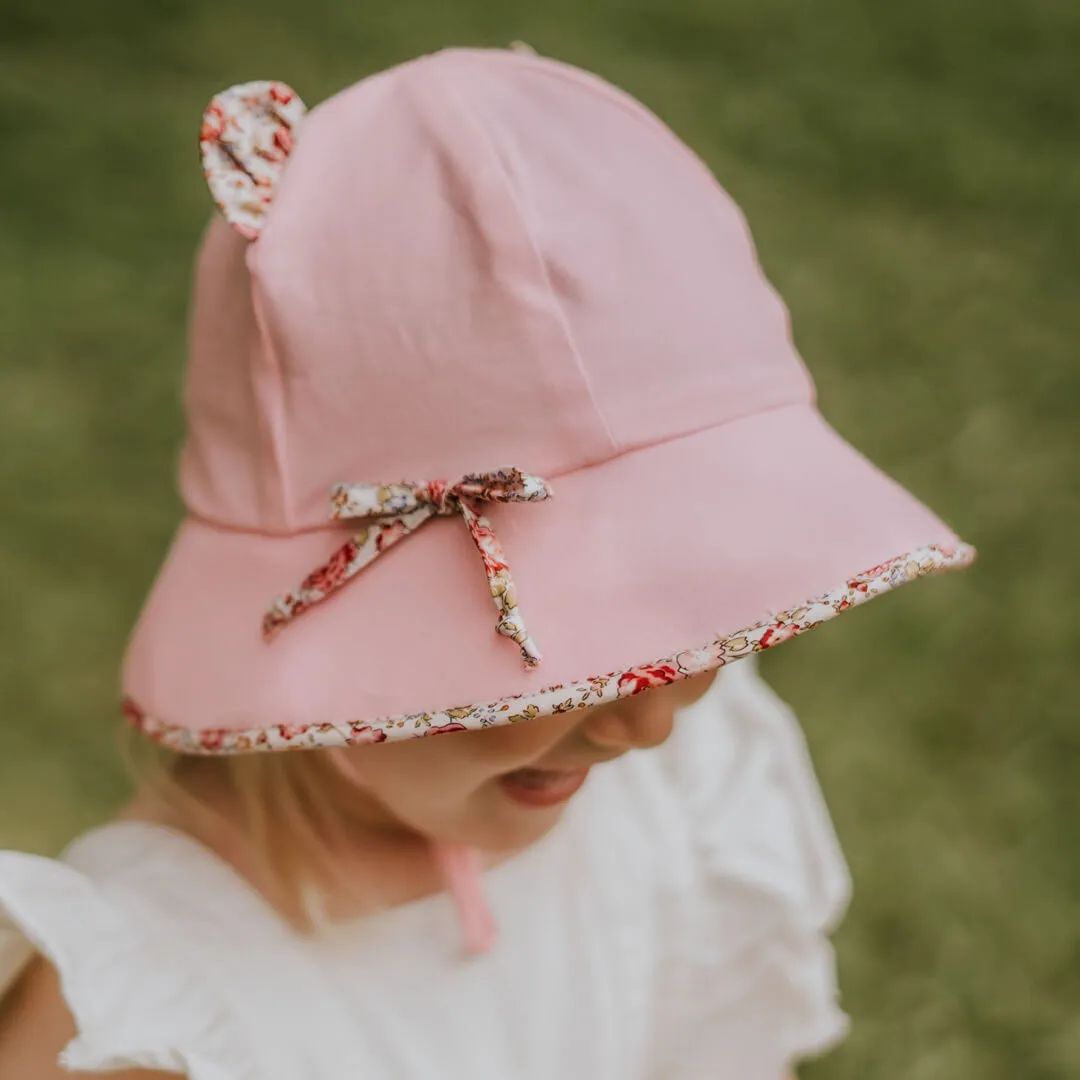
[(912, 177)]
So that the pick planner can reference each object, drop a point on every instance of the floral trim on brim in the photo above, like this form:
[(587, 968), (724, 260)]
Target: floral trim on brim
[(566, 697)]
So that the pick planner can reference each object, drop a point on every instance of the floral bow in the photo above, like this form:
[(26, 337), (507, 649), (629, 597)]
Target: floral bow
[(403, 508)]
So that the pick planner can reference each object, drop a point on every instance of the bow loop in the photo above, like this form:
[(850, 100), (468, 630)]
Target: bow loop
[(354, 501), (385, 500), (400, 509), (505, 485)]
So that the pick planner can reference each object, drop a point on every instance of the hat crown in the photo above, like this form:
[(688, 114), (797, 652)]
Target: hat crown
[(472, 259)]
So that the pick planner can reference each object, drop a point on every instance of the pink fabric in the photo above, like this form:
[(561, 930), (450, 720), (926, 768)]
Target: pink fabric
[(474, 259), (462, 869)]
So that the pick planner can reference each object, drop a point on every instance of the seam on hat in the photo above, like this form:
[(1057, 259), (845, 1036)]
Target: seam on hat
[(605, 89), (631, 106), (330, 526), (453, 93), (271, 422), (602, 88)]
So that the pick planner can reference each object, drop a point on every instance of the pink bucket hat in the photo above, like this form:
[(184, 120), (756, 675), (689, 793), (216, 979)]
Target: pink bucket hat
[(492, 415)]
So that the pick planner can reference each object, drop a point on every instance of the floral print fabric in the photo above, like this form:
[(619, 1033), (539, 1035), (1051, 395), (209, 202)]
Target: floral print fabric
[(595, 690), (246, 138), (403, 508)]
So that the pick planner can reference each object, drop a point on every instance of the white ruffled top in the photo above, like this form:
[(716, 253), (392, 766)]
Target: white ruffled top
[(672, 927)]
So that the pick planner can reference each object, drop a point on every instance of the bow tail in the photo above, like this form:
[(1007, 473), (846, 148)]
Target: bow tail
[(361, 549), (503, 590)]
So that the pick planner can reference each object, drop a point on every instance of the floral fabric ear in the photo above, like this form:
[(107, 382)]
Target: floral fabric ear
[(246, 138)]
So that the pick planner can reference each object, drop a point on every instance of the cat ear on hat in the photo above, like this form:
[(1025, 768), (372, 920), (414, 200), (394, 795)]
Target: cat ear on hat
[(246, 139)]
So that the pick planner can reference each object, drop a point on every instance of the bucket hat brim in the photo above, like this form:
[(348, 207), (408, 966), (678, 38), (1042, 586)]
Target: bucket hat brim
[(662, 563)]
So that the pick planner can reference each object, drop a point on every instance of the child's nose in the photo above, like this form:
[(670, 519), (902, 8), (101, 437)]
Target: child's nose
[(635, 724)]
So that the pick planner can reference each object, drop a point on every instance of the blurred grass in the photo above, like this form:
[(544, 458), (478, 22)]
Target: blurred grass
[(912, 176)]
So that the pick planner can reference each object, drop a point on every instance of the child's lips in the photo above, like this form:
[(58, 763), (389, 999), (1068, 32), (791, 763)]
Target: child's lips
[(543, 787)]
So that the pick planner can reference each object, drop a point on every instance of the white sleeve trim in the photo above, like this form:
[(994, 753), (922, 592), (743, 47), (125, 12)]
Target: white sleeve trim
[(133, 1006)]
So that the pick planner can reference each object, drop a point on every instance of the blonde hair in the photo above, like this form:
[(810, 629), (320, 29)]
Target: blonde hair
[(291, 812)]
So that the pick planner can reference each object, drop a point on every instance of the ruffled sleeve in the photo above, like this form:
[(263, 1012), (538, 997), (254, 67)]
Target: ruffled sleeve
[(748, 982), (134, 1003)]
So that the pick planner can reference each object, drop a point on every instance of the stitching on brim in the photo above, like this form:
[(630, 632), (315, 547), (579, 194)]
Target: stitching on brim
[(566, 697)]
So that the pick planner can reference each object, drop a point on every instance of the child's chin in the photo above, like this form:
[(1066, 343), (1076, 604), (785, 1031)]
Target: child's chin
[(513, 830)]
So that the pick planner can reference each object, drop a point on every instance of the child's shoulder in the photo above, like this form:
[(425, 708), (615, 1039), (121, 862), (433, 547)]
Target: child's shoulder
[(96, 954), (36, 1024)]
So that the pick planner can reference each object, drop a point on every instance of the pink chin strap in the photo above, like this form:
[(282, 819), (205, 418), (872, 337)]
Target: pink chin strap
[(462, 869)]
